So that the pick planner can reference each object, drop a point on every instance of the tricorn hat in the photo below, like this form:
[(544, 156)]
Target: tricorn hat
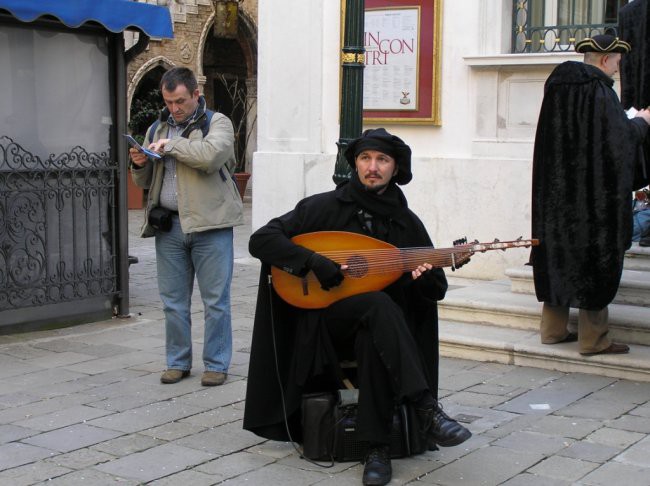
[(382, 141), (603, 43)]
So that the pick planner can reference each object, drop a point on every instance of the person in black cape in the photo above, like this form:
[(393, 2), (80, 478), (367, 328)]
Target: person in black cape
[(587, 160), (392, 334), (634, 28)]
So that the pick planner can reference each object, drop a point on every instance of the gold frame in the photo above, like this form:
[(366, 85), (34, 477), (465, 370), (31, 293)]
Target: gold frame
[(435, 118)]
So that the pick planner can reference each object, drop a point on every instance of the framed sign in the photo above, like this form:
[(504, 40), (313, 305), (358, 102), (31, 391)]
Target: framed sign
[(402, 61)]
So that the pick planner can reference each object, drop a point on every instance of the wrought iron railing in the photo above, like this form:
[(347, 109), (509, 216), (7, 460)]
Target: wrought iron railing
[(529, 38), (57, 240)]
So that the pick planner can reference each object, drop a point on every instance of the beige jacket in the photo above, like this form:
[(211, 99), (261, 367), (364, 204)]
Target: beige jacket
[(207, 195)]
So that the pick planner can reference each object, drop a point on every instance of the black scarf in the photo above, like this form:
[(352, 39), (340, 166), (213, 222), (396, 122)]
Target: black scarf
[(384, 208)]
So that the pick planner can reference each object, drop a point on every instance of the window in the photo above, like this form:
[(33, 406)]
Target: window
[(556, 25)]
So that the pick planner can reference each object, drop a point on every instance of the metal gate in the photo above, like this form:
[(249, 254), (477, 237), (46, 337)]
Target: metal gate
[(58, 257)]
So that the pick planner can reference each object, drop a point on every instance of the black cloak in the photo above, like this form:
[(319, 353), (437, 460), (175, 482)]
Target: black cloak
[(585, 158), (634, 28), (306, 359)]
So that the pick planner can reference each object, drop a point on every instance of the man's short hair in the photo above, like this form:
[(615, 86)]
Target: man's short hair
[(179, 75)]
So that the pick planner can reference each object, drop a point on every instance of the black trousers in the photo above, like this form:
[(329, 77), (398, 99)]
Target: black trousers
[(371, 328)]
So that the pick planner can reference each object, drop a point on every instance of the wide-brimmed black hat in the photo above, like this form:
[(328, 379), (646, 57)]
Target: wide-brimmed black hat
[(603, 43), (382, 141)]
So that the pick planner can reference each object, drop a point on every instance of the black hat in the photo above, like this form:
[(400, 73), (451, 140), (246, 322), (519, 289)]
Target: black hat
[(603, 43), (382, 141)]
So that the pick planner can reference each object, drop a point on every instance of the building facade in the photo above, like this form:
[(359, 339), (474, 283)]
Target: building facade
[(472, 171), (224, 58)]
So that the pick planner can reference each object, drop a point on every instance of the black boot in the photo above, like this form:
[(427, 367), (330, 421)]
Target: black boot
[(378, 470), (445, 431)]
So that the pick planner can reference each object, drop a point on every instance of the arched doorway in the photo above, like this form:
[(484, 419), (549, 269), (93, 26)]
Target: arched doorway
[(230, 70)]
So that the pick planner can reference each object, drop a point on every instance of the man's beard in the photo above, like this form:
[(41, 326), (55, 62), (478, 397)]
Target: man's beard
[(376, 189)]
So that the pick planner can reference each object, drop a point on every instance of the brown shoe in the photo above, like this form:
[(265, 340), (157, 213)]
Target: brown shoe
[(614, 348), (213, 378), (173, 376)]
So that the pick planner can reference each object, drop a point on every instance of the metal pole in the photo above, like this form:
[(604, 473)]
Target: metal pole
[(353, 60)]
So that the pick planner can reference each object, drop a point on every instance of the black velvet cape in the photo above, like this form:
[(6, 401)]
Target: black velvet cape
[(634, 27), (586, 155), (306, 360)]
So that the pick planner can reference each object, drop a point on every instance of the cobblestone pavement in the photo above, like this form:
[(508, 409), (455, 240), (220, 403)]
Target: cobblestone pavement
[(84, 406)]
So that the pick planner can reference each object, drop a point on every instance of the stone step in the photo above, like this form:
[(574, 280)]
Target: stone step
[(522, 347), (493, 303), (634, 288)]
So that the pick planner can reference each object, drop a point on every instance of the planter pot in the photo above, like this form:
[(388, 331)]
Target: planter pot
[(135, 194), (241, 179)]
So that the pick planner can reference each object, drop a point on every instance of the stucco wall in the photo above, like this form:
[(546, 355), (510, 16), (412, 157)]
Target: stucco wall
[(471, 174)]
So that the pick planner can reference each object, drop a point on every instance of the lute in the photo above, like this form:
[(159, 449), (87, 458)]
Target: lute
[(372, 264)]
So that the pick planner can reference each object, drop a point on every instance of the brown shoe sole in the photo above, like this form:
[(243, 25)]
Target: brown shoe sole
[(613, 348)]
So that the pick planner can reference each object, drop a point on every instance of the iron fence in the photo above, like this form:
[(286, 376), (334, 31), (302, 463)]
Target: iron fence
[(532, 35)]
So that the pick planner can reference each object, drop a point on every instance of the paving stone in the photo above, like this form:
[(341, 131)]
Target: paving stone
[(39, 377), (556, 394), (215, 417), (625, 391), (173, 430), (488, 418), (637, 455), (273, 449), (11, 433), (533, 442), (62, 418), (192, 478), (25, 351), (614, 437), (589, 451), (99, 351), (527, 479), (234, 465), (55, 360), (155, 463), (495, 463), (127, 444), (41, 407), (91, 477), (574, 428), (521, 377), (222, 440), (10, 367), (102, 365), (277, 474), (596, 408), (17, 399), (81, 459), (16, 454), (642, 411), (632, 423), (146, 417), (31, 474), (471, 399), (563, 468), (72, 437), (614, 473), (216, 396)]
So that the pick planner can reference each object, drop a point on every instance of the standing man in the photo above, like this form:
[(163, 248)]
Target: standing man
[(634, 28), (587, 154), (392, 334), (191, 209)]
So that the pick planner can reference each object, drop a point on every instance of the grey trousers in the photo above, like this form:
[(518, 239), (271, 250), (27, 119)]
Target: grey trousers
[(593, 327)]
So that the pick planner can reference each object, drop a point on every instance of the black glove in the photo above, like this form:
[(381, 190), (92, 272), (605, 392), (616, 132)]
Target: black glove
[(327, 272)]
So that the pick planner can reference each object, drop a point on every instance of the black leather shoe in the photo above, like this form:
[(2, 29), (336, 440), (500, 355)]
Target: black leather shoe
[(378, 470), (445, 431)]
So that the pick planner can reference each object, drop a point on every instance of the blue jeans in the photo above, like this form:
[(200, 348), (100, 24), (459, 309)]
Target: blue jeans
[(641, 223), (209, 255)]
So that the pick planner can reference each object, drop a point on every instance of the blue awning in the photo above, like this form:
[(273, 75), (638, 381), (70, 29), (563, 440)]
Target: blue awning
[(114, 15)]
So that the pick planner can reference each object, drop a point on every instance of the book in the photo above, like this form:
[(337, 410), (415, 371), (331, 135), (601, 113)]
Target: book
[(133, 143)]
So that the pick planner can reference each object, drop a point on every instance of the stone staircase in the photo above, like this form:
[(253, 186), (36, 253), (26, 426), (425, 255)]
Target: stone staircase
[(498, 321)]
